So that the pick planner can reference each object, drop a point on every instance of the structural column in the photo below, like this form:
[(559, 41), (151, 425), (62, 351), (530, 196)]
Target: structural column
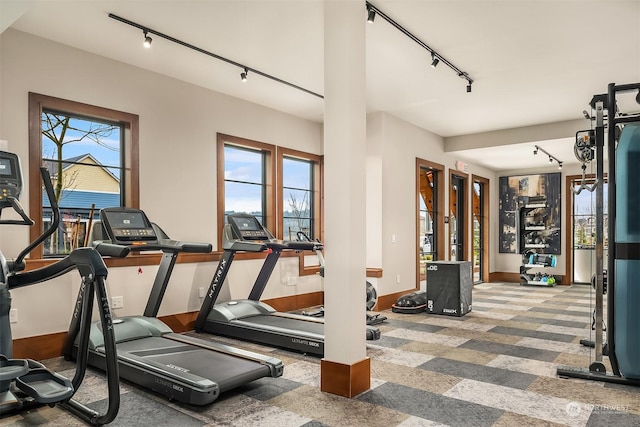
[(345, 369)]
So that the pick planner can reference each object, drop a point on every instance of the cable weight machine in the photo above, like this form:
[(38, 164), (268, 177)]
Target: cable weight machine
[(623, 319)]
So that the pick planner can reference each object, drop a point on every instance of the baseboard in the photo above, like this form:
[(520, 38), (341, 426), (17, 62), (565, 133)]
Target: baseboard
[(40, 347), (501, 276), (296, 302)]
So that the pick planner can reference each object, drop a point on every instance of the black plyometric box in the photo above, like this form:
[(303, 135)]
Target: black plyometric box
[(449, 285)]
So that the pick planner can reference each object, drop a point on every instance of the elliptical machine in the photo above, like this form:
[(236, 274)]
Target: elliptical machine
[(26, 383)]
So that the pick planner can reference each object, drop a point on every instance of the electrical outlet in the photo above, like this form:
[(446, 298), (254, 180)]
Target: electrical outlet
[(201, 293), (117, 302), (13, 315), (291, 281), (397, 278)]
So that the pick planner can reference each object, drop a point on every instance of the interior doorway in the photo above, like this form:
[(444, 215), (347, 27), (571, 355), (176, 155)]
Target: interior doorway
[(429, 217), (457, 217), (480, 227)]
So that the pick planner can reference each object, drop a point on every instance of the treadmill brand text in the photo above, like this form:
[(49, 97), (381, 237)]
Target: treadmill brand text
[(305, 342), (216, 279), (166, 383)]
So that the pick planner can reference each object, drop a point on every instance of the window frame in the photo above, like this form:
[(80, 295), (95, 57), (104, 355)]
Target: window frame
[(439, 210), (274, 157), (130, 153), (269, 152), (317, 163)]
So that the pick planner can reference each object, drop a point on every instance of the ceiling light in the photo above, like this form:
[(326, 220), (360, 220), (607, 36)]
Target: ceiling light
[(147, 40), (373, 10), (434, 60), (146, 30), (244, 74), (552, 158), (371, 15)]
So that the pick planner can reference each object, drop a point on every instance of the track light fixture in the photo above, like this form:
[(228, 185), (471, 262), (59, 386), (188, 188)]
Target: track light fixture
[(147, 40), (552, 158), (436, 57), (371, 15), (434, 60), (246, 69), (244, 74)]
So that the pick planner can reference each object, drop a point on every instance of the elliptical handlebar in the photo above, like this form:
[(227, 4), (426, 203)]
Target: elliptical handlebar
[(18, 264), (93, 272)]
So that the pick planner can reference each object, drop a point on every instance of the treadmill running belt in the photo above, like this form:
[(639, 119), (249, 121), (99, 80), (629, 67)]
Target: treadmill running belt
[(186, 360), (285, 324)]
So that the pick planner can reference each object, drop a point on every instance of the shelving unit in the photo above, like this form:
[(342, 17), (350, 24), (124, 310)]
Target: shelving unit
[(533, 223), (538, 278)]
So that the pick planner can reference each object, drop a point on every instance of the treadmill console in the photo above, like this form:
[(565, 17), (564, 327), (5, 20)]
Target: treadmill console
[(127, 225), (10, 178), (247, 227)]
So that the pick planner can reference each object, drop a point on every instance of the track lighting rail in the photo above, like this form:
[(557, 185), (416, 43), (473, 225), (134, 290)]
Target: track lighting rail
[(244, 68), (551, 156), (372, 10)]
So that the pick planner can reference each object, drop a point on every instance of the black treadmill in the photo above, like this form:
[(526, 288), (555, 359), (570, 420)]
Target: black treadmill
[(150, 354), (250, 319)]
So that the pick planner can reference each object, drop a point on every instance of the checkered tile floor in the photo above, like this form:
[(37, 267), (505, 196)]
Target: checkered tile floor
[(496, 366)]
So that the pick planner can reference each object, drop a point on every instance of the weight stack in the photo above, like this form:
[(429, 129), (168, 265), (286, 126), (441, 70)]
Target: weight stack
[(449, 285), (627, 253)]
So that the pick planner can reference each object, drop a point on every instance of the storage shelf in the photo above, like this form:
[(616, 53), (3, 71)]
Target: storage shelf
[(537, 283)]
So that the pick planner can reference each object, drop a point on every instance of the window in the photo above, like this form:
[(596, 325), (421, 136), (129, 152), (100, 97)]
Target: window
[(299, 184), (245, 180), (280, 186), (91, 154), (429, 216)]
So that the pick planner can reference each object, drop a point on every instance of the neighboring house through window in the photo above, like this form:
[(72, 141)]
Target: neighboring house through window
[(91, 154)]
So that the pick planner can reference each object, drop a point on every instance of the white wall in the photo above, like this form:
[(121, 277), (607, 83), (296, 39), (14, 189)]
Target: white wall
[(178, 126), (400, 143)]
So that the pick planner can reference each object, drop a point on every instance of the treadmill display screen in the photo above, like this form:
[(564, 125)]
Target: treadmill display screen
[(128, 225), (248, 227), (247, 224)]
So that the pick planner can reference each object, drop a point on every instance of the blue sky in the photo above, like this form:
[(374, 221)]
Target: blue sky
[(245, 165), (108, 155)]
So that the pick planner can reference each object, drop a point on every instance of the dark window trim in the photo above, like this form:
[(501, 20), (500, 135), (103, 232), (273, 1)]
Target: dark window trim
[(440, 211), (269, 151), (130, 124), (317, 178)]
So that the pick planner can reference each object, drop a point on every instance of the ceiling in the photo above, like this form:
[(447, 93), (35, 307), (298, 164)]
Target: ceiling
[(532, 62)]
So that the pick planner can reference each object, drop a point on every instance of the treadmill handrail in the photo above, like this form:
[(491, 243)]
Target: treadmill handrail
[(164, 245)]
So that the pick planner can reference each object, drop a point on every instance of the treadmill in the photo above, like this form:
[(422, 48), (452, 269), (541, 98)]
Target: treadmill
[(150, 354), (250, 319)]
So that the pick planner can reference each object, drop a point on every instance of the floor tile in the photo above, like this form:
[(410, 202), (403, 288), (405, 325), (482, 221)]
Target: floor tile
[(535, 405)]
